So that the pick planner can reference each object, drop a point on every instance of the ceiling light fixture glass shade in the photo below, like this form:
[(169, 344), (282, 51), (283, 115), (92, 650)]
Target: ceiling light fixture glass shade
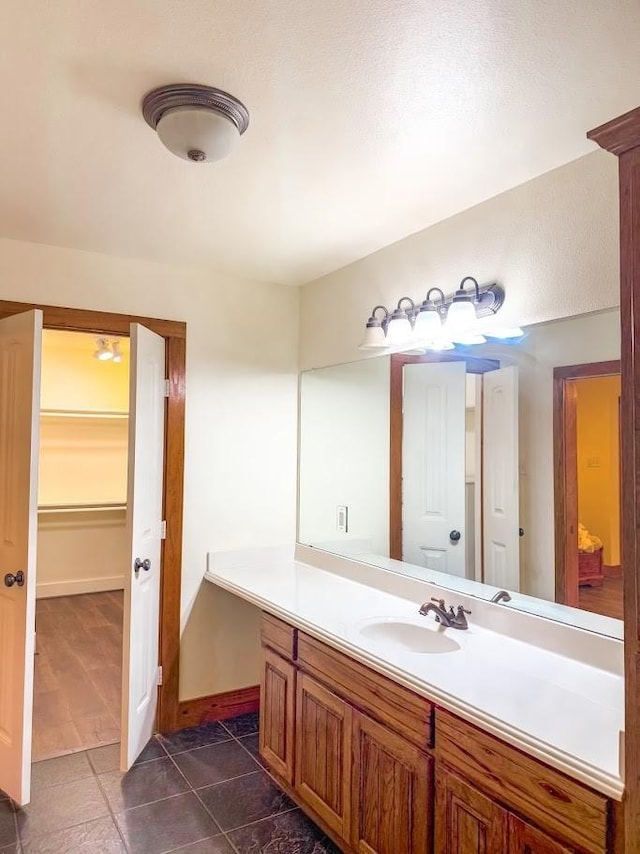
[(374, 333), (104, 352), (196, 123), (428, 323), (117, 352), (399, 329), (461, 316)]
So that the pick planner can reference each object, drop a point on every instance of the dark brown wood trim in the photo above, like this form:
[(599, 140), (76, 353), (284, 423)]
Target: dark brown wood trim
[(98, 322), (622, 137), (620, 134), (398, 361), (592, 369), (174, 332), (218, 707), (565, 471), (172, 547)]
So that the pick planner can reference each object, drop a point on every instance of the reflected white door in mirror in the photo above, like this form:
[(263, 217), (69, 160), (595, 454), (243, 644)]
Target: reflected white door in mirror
[(445, 463)]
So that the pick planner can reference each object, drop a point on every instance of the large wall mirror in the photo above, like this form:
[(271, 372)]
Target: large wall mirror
[(489, 468)]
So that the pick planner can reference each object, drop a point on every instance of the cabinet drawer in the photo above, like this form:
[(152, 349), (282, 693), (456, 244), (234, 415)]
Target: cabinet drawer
[(569, 811), (279, 636), (403, 711)]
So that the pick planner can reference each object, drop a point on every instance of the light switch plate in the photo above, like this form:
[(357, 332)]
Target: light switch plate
[(342, 518)]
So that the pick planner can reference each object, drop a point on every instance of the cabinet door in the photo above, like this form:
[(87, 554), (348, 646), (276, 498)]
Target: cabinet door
[(277, 693), (467, 822), (525, 839), (391, 792), (323, 753)]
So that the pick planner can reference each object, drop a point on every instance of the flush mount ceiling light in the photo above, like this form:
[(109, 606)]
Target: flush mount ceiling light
[(197, 123), (466, 318)]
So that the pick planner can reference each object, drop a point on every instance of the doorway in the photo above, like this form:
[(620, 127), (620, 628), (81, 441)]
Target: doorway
[(587, 451), (82, 553), (154, 513)]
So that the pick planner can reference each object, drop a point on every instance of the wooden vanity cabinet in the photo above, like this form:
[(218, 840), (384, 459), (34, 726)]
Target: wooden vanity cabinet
[(391, 791), (525, 839), (323, 753), (383, 771)]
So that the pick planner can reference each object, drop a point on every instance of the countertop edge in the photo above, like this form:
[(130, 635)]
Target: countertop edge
[(583, 772)]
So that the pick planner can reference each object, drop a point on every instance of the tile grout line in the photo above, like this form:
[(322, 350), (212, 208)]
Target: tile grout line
[(111, 813)]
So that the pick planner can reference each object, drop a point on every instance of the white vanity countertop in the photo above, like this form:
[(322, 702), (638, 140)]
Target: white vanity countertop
[(561, 710)]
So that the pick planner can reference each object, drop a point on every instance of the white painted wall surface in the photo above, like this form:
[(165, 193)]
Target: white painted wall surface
[(552, 243), (344, 455), (81, 552), (240, 466)]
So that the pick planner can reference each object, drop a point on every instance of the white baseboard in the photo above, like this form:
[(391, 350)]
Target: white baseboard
[(49, 589)]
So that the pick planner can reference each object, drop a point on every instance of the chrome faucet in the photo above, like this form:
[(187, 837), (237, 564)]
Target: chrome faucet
[(501, 596), (449, 619)]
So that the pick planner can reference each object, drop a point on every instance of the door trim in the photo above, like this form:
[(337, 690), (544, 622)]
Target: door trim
[(175, 335), (396, 424), (565, 471)]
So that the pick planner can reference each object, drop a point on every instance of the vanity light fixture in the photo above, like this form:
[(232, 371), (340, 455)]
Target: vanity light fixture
[(439, 323), (197, 123)]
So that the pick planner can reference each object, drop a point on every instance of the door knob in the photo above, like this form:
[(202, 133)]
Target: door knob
[(455, 536), (141, 564), (10, 579)]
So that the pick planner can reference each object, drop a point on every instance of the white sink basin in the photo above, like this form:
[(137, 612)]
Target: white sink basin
[(412, 637)]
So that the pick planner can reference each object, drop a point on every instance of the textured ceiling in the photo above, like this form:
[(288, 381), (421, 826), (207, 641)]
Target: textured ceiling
[(370, 119)]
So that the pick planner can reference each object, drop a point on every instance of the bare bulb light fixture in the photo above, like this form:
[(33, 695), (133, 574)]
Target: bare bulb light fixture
[(108, 351), (439, 323), (196, 123)]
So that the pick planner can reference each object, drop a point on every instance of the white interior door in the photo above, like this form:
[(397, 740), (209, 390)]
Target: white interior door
[(500, 466), (433, 466), (20, 358), (144, 524)]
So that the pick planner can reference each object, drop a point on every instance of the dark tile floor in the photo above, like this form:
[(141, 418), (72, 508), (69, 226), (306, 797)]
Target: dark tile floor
[(198, 791)]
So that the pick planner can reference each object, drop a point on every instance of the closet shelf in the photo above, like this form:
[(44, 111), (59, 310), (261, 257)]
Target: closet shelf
[(83, 413), (80, 508)]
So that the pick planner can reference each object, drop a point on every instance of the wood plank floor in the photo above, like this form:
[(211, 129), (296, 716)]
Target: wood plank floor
[(605, 600), (78, 673)]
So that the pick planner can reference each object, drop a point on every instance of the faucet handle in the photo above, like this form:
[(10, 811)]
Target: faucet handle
[(440, 602), (463, 610)]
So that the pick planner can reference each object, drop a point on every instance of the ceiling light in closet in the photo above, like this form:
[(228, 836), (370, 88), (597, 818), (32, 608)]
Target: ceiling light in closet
[(104, 352)]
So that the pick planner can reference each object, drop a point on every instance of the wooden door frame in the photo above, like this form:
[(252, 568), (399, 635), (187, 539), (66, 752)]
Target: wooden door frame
[(621, 137), (396, 425), (175, 335), (565, 472)]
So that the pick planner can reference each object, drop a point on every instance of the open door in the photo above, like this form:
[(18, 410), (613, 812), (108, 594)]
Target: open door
[(433, 466), (501, 489), (20, 358), (144, 524)]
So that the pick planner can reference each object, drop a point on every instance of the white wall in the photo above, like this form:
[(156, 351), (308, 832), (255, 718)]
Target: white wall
[(240, 466), (81, 552), (344, 455), (552, 243)]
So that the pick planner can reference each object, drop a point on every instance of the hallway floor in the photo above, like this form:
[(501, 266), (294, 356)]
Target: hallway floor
[(198, 791), (78, 673), (606, 600)]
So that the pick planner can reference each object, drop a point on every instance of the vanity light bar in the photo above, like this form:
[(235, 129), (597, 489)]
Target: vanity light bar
[(438, 325)]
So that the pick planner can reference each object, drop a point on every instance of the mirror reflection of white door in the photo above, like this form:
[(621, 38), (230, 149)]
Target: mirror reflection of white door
[(433, 466), (501, 487), (144, 525), (20, 359)]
